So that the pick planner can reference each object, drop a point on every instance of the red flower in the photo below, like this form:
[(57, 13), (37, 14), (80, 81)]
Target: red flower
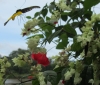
[(55, 22), (28, 29), (40, 58), (30, 77), (63, 81), (24, 34)]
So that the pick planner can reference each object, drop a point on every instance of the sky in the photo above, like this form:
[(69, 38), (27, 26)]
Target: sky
[(10, 35)]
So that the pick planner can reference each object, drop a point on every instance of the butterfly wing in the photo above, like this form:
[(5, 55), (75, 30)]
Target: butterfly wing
[(9, 19), (29, 8), (13, 17)]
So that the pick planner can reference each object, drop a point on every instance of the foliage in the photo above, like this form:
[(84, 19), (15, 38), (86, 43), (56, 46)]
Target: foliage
[(57, 22)]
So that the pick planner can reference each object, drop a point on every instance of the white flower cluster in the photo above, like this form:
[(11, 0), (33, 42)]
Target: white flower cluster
[(77, 78), (36, 68), (76, 72), (60, 60), (55, 17), (88, 36), (41, 78), (29, 27), (62, 5), (4, 64), (91, 81), (68, 48), (33, 43), (71, 64), (21, 60), (1, 79), (96, 66), (79, 66), (60, 82), (69, 74), (40, 49), (79, 69)]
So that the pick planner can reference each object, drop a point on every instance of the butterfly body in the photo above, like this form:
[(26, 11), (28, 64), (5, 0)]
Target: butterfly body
[(19, 12)]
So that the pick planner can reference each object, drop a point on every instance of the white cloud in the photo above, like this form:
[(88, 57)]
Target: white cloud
[(8, 47)]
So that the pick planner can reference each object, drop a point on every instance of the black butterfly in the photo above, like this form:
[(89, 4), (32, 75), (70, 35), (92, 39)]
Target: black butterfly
[(19, 12)]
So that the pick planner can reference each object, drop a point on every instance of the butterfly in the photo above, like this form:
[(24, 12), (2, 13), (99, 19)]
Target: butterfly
[(19, 12)]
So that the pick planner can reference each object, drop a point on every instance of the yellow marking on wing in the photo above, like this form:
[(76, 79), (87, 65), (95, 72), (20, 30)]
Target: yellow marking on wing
[(13, 16)]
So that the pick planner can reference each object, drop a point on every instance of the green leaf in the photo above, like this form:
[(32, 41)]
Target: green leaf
[(89, 3), (74, 14), (28, 17), (69, 30), (35, 82), (51, 76), (64, 16), (88, 14), (52, 36), (40, 35), (88, 60), (47, 34), (75, 24), (41, 19), (64, 71), (36, 14), (52, 7), (63, 43), (47, 18), (44, 12), (59, 69), (76, 46), (47, 27), (59, 73)]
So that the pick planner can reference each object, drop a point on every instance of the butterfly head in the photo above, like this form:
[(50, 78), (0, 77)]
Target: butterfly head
[(19, 10)]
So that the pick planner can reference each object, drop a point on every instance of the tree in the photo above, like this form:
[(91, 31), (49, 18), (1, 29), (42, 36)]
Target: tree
[(16, 52), (16, 69)]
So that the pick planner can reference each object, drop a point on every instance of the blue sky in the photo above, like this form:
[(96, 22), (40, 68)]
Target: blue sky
[(10, 35)]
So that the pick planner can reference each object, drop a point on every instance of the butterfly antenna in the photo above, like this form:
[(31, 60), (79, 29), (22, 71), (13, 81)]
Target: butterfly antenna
[(23, 3), (16, 7)]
